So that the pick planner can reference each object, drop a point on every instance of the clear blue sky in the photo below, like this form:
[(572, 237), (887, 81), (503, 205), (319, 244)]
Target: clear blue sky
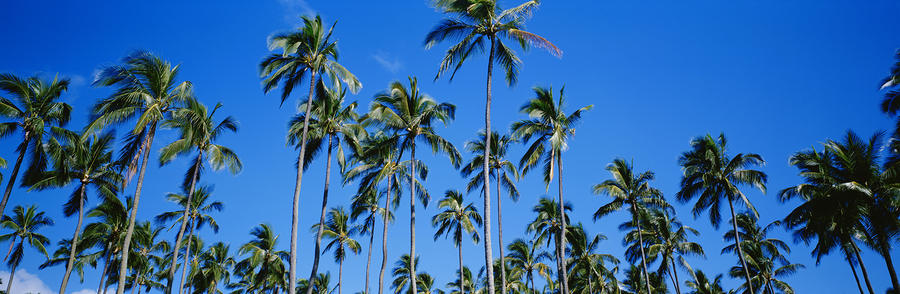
[(775, 76)]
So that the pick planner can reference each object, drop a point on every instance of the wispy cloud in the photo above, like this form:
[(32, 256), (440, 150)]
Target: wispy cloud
[(294, 9), (388, 62), (24, 282), (85, 291)]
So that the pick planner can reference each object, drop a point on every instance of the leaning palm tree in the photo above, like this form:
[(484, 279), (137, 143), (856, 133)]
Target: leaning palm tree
[(147, 92), (85, 160), (628, 188), (551, 128), (23, 226), (197, 215), (525, 255), (199, 132), (263, 265), (457, 219), (411, 114), (306, 51), (500, 169), (712, 175), (547, 227), (765, 256), (331, 121), (339, 230), (472, 24), (34, 108)]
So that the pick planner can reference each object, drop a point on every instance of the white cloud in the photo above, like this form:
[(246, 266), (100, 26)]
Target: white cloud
[(388, 62), (294, 9), (85, 291), (24, 283)]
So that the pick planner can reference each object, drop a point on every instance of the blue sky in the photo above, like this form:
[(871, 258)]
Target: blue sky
[(775, 76)]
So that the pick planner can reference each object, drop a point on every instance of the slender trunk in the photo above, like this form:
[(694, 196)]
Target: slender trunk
[(461, 277), (341, 276), (855, 276), (488, 247), (187, 256), (134, 285), (126, 245), (15, 172), (102, 287), (12, 273), (295, 214), (769, 287), (562, 220), (412, 219), (560, 260), (321, 227), (369, 258), (675, 272), (737, 243), (499, 235), (387, 211), (890, 266), (72, 250), (637, 220), (590, 284), (11, 243), (862, 267), (184, 219), (672, 278)]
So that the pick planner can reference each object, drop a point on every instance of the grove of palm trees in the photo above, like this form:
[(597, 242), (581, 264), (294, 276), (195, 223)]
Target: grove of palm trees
[(330, 147)]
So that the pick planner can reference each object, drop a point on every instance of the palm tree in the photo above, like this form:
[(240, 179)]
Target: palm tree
[(667, 240), (634, 190), (320, 285), (85, 160), (107, 233), (306, 51), (466, 283), (148, 92), (472, 24), (82, 257), (701, 284), (891, 104), (586, 266), (199, 131), (402, 277), (550, 127), (339, 230), (634, 277), (146, 263), (547, 226), (410, 115), (524, 255), (764, 255), (711, 175), (335, 123), (425, 284), (215, 267), (197, 214), (500, 170), (365, 204), (24, 225), (456, 220), (264, 265)]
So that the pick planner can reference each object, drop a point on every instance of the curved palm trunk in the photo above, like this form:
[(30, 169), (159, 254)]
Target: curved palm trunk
[(499, 235), (462, 281), (862, 267), (321, 230), (15, 172), (184, 221), (737, 243), (855, 276), (187, 256), (675, 273), (412, 220), (387, 205), (102, 287), (369, 258), (126, 245), (561, 243), (488, 249), (12, 273), (637, 220), (295, 213), (72, 250), (890, 266), (12, 244)]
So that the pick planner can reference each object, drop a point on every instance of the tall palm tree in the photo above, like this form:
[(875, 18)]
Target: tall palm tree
[(411, 115), (628, 188), (335, 123), (712, 175), (339, 230), (147, 91), (23, 225), (197, 214), (525, 255), (471, 25), (551, 128), (764, 255), (306, 51), (263, 266), (215, 268), (456, 220), (500, 169), (667, 241), (547, 226), (366, 205), (199, 131), (108, 232), (34, 108), (585, 265), (402, 275), (88, 161)]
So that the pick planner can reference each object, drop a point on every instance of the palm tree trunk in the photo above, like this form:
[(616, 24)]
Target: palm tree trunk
[(675, 272), (126, 245), (862, 267), (184, 219), (890, 266), (590, 284), (461, 279), (737, 243), (102, 288), (562, 221), (15, 172), (855, 276), (12, 273), (499, 235), (412, 219), (387, 211), (187, 256), (488, 249), (637, 220), (11, 243), (321, 227), (369, 258), (559, 261), (295, 213), (341, 276), (72, 250)]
